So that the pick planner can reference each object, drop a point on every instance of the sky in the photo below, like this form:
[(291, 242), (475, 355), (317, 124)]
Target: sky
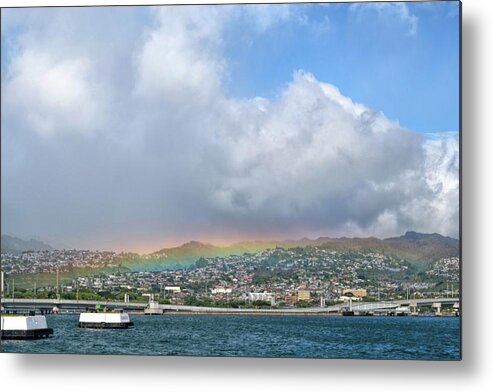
[(135, 128)]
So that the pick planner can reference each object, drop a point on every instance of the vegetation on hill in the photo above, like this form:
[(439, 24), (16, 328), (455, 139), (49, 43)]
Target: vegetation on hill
[(416, 248)]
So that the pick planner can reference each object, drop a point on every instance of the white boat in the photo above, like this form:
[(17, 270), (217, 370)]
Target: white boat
[(24, 327), (104, 320)]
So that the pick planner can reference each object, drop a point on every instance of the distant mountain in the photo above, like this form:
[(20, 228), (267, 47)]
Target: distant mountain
[(413, 247), (187, 246), (12, 244), (187, 250), (424, 247), (194, 248)]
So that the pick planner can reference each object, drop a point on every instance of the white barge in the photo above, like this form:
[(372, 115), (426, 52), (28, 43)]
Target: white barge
[(105, 320), (24, 327)]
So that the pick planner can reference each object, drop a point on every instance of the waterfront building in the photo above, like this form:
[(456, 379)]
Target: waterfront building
[(269, 297), (358, 293), (291, 298), (303, 295)]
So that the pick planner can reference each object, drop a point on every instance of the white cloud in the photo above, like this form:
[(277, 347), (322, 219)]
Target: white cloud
[(48, 95), (442, 177), (170, 155), (179, 58), (265, 16), (389, 14), (316, 161)]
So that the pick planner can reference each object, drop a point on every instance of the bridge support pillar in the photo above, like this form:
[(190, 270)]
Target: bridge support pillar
[(438, 308), (457, 308)]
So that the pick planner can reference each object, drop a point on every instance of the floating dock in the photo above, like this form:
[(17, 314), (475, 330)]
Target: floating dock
[(105, 320), (24, 327)]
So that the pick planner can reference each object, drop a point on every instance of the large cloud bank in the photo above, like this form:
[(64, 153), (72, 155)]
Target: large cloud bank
[(121, 136)]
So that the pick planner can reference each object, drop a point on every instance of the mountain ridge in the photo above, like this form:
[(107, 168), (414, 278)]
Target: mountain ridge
[(419, 248), (11, 244), (412, 246)]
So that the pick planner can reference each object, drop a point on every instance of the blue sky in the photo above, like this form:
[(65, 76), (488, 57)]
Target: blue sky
[(411, 77)]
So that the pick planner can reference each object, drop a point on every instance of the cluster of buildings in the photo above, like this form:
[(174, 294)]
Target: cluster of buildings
[(61, 260), (448, 268), (290, 277), (276, 276)]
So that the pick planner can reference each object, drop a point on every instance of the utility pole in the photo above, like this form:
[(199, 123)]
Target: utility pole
[(34, 292), (13, 289), (57, 287)]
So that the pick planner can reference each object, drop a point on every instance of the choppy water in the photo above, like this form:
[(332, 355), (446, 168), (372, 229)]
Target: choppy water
[(257, 336)]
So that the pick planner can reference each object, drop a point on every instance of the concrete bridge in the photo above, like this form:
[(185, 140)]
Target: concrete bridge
[(64, 304), (406, 307), (31, 304), (382, 305)]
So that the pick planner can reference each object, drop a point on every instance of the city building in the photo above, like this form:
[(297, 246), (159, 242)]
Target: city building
[(291, 298), (268, 297), (172, 289), (221, 290), (303, 295), (358, 293)]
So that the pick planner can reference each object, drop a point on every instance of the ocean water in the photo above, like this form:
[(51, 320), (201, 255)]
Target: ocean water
[(430, 338)]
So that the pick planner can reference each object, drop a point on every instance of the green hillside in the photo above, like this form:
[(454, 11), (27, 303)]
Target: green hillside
[(413, 247)]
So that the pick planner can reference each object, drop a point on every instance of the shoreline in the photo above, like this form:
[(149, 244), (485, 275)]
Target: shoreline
[(311, 314), (221, 313)]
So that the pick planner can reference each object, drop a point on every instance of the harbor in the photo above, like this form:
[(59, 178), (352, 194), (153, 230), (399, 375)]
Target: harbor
[(255, 335), (20, 323)]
